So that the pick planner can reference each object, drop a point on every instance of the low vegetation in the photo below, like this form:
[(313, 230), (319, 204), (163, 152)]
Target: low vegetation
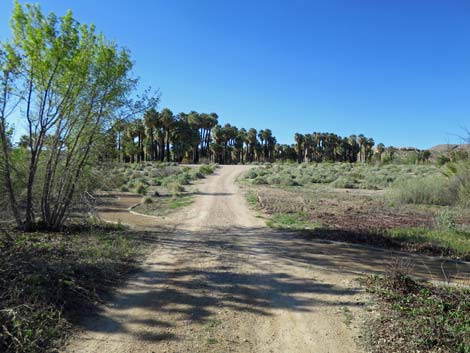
[(339, 175), (419, 317), (164, 186), (146, 178), (418, 208), (47, 280), (91, 132)]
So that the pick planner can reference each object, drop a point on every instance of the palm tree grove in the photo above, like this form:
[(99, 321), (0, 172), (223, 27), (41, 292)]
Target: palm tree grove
[(168, 182)]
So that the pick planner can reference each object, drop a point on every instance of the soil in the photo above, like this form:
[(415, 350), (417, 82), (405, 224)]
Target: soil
[(220, 281), (352, 210)]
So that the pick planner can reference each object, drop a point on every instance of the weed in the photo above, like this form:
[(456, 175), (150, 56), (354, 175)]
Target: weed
[(348, 317), (47, 279), (429, 190), (291, 221), (141, 189), (419, 317), (445, 220), (251, 198)]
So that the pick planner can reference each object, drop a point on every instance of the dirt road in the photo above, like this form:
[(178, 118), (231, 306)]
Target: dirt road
[(221, 281)]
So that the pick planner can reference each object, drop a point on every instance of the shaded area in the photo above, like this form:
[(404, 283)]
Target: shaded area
[(176, 290), (364, 217), (380, 239), (299, 248), (48, 280)]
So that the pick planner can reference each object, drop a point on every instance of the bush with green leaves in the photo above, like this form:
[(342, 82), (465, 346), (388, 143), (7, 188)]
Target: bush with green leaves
[(141, 189), (184, 178), (175, 188), (148, 200), (429, 190), (446, 220), (338, 175), (206, 169)]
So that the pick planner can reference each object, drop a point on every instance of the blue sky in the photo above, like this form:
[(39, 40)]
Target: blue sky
[(397, 71)]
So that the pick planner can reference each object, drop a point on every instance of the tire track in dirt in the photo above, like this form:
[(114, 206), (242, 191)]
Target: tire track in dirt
[(220, 281)]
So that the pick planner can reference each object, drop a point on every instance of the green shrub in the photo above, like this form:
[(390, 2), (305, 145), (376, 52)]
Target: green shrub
[(148, 200), (345, 183), (184, 179), (251, 174), (175, 188), (157, 182), (446, 220), (195, 174), (259, 181), (460, 182), (141, 189), (206, 169), (428, 190), (273, 180), (289, 182)]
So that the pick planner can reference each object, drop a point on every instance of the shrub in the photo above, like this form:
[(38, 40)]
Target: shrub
[(461, 182), (157, 182), (289, 182), (184, 179), (175, 187), (148, 200), (124, 188), (459, 176), (446, 220), (428, 190), (274, 180), (345, 183), (206, 169), (259, 181), (251, 174), (195, 174), (141, 189)]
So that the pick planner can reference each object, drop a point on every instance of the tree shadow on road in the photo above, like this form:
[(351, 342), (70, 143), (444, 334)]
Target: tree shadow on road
[(244, 270)]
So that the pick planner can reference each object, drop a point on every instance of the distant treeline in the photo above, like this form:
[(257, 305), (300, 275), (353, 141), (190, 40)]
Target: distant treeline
[(198, 137)]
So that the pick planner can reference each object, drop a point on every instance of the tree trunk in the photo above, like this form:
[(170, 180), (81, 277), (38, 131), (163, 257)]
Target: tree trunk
[(168, 145), (7, 175)]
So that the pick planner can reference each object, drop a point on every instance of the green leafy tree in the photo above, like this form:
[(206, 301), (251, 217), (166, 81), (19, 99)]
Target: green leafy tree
[(72, 85)]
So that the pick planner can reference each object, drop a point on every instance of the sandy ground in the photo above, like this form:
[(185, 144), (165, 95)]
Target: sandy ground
[(220, 281)]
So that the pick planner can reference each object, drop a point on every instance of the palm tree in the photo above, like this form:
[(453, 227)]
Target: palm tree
[(242, 136), (309, 141), (252, 142), (361, 140), (380, 150), (168, 121), (299, 139), (151, 122), (369, 144), (211, 120), (353, 148)]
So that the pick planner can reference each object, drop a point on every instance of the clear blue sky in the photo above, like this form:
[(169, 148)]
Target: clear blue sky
[(398, 71)]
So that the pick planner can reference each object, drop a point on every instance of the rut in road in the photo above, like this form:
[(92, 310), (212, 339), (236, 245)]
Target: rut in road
[(223, 282)]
